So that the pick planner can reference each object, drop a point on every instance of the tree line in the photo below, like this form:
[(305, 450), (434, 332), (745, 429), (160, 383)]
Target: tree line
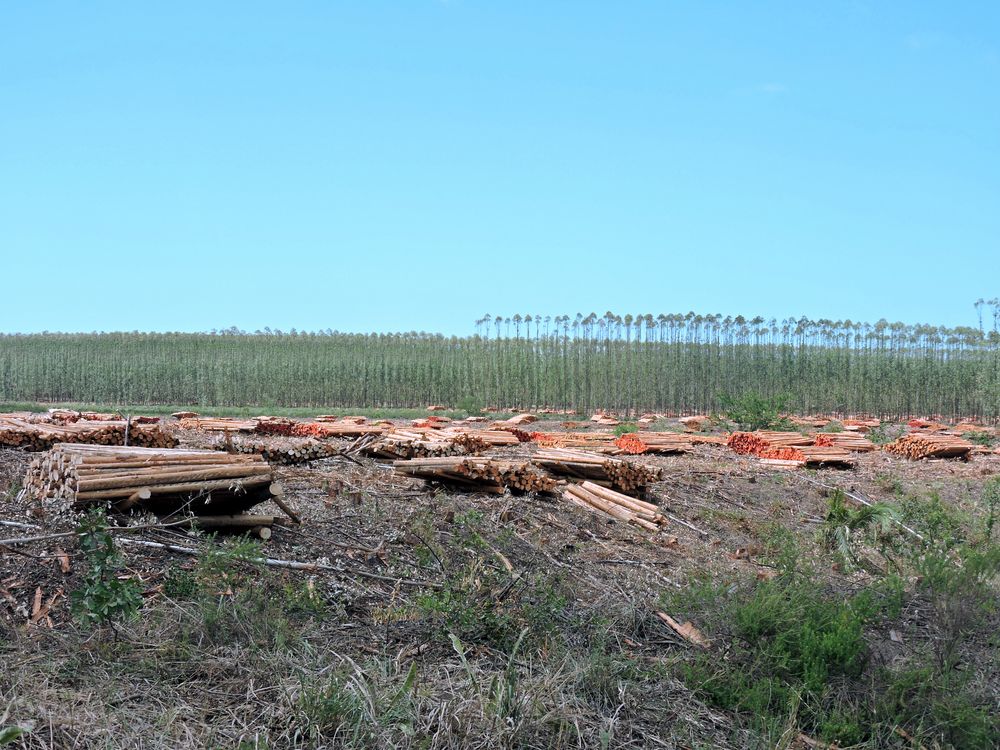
[(627, 363)]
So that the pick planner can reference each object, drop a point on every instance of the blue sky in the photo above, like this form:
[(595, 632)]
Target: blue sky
[(413, 165)]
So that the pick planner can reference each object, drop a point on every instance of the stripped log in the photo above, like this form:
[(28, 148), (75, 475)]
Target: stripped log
[(849, 441), (754, 443), (594, 497), (35, 436)]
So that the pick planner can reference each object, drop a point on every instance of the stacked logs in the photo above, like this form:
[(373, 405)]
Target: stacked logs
[(664, 442), (850, 441), (916, 446), (600, 469), (282, 451), (808, 455), (344, 428), (17, 433), (488, 438), (754, 443), (164, 481), (218, 424), (403, 444), (478, 474), (597, 441), (595, 498)]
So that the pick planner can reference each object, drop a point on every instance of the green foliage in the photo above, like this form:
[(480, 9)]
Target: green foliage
[(103, 598), (471, 405), (9, 734), (981, 438), (833, 426), (789, 644), (752, 411), (846, 528), (626, 427), (627, 363), (991, 501)]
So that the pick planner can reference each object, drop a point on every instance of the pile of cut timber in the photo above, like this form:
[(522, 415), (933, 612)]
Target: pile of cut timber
[(595, 498), (600, 469), (478, 474), (861, 425), (17, 433), (755, 443), (217, 424), (603, 442), (166, 482), (664, 442), (922, 445), (343, 428), (489, 438), (808, 455), (425, 444), (850, 441), (284, 451)]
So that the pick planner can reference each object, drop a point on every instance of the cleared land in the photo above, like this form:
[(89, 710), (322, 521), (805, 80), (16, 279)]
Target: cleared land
[(773, 608)]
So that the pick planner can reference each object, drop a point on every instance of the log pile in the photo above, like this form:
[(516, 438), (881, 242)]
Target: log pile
[(915, 446), (164, 481), (622, 475), (343, 429), (217, 424), (478, 474), (849, 441), (814, 456), (861, 425), (489, 438), (595, 441), (33, 436), (404, 444), (753, 443), (282, 451), (599, 499)]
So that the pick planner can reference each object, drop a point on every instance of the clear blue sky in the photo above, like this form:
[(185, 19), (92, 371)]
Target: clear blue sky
[(413, 165)]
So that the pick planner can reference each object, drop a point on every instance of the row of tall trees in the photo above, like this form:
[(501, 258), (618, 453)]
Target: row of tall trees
[(631, 363)]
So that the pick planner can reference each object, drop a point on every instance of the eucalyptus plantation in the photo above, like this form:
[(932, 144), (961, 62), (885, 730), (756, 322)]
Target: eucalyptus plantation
[(628, 363)]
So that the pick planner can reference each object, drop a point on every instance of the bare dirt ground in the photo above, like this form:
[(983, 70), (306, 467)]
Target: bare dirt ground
[(439, 618)]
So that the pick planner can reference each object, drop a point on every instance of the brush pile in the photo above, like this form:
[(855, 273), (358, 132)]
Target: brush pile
[(622, 475), (849, 441), (35, 436), (916, 446), (599, 499), (478, 474), (755, 443), (166, 482)]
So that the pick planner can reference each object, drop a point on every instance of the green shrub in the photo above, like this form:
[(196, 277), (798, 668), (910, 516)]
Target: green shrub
[(103, 598), (752, 411), (626, 427)]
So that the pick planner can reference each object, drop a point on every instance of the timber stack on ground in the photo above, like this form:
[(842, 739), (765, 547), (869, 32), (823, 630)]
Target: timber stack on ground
[(163, 481), (813, 456), (404, 444), (849, 441), (916, 446), (604, 442), (599, 469), (478, 474), (281, 450), (664, 442), (755, 443), (596, 498), (38, 436)]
